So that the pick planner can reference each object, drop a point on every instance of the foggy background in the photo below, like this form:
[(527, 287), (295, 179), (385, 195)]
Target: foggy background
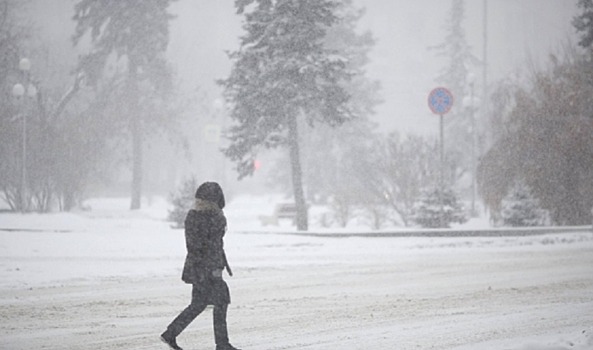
[(519, 32), (71, 280)]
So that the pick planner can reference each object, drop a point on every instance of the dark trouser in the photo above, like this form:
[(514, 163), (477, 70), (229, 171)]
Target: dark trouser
[(193, 310)]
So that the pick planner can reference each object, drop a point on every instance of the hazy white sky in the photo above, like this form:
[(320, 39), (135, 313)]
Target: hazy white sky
[(401, 60)]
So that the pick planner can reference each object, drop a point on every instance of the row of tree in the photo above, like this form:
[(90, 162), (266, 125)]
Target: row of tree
[(287, 72), (117, 92), (297, 83)]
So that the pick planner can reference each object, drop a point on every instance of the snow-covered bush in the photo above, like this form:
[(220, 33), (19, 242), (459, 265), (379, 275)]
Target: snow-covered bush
[(427, 209), (182, 200), (521, 208), (376, 216), (341, 205)]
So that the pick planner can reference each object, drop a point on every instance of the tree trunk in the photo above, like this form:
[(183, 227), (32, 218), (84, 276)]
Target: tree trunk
[(136, 163), (571, 212), (302, 220), (68, 201), (136, 131)]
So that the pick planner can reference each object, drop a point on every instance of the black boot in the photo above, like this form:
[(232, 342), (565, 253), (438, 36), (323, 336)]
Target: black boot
[(169, 339), (226, 346)]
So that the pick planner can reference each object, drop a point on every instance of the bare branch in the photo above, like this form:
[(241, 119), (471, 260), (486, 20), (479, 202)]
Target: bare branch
[(68, 96)]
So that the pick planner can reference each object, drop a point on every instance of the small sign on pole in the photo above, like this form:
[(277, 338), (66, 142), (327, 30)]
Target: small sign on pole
[(440, 101)]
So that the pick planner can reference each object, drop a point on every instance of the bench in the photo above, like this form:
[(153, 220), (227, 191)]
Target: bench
[(281, 211)]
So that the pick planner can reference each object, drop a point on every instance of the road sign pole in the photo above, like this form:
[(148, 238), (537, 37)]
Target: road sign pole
[(442, 173), (440, 101)]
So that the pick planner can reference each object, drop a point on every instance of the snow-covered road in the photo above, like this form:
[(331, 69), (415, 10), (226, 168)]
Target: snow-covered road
[(113, 283)]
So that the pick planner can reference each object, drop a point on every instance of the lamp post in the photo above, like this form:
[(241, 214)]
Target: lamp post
[(18, 91)]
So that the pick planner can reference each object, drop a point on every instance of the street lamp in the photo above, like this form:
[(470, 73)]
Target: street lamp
[(18, 91)]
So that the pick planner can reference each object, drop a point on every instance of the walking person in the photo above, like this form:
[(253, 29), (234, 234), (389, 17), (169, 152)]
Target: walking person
[(205, 226)]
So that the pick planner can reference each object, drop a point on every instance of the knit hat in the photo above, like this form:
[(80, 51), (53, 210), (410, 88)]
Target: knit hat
[(211, 191)]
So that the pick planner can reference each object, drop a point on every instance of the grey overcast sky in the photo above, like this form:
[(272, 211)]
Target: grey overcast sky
[(518, 30)]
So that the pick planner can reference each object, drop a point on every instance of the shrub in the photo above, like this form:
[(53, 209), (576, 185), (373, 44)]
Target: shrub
[(521, 208), (427, 209), (182, 201)]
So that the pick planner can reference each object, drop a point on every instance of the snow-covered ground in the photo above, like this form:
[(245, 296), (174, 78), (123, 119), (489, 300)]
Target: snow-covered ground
[(109, 278)]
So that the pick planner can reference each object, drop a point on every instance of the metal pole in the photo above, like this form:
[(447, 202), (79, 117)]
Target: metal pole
[(473, 136), (484, 106), (442, 175), (24, 164), (24, 137)]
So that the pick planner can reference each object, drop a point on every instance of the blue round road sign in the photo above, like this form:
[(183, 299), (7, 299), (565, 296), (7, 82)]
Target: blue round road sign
[(440, 100)]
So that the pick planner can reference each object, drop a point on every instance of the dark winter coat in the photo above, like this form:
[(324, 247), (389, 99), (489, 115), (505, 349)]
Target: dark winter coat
[(205, 226)]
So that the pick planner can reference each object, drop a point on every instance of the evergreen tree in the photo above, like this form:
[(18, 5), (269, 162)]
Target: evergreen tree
[(330, 146), (182, 200), (283, 72), (429, 213), (456, 51), (137, 30), (584, 23), (521, 208)]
